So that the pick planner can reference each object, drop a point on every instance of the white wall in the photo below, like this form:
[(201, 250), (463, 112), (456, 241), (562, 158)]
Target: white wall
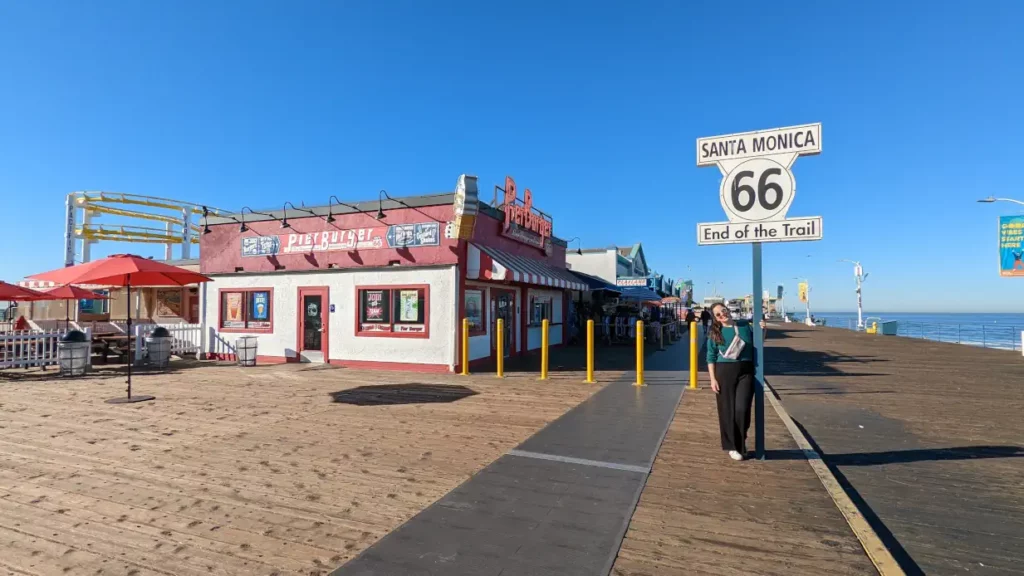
[(600, 264), (438, 348), (533, 333)]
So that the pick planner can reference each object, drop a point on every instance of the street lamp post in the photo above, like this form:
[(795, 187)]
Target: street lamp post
[(858, 273), (991, 199)]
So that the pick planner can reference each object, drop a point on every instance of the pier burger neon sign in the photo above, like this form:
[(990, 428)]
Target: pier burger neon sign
[(522, 223)]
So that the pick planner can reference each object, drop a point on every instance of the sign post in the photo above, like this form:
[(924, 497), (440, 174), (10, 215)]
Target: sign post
[(757, 190)]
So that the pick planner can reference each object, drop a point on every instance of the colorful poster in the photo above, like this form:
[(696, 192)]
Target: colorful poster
[(233, 310), (475, 309), (1011, 246), (409, 305), (375, 306), (801, 289), (259, 309), (168, 302)]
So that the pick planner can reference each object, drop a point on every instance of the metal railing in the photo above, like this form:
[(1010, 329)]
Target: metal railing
[(1000, 336)]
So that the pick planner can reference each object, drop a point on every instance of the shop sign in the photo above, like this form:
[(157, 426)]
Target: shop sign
[(397, 236), (375, 315), (465, 208), (522, 222), (644, 282)]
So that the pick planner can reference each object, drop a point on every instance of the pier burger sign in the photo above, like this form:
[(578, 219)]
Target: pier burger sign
[(522, 222), (758, 185)]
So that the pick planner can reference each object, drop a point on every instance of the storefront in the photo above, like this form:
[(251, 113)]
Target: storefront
[(385, 283)]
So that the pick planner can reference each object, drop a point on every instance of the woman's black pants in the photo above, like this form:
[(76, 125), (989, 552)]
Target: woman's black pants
[(735, 396)]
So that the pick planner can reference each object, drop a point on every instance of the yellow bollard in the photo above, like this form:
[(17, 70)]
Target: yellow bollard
[(544, 350), (465, 346), (693, 355), (590, 351), (639, 353), (501, 347)]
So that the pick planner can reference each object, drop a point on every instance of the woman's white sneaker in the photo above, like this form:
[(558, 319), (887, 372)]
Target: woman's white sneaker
[(735, 455)]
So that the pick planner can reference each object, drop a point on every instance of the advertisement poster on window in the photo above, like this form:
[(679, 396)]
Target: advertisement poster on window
[(233, 309), (259, 313), (475, 309), (374, 312), (168, 302), (409, 305)]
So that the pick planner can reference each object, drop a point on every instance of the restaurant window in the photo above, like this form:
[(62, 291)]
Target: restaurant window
[(393, 311), (541, 309), (95, 306), (475, 311), (247, 310)]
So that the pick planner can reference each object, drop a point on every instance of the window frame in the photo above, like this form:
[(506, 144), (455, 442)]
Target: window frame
[(484, 307), (550, 301), (245, 306), (393, 289)]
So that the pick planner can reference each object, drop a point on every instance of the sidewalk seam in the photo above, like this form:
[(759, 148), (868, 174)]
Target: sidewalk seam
[(873, 546)]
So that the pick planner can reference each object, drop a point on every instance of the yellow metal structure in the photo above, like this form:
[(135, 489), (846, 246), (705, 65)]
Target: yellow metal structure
[(501, 347), (693, 355), (465, 346), (544, 325), (590, 351), (873, 329), (639, 353)]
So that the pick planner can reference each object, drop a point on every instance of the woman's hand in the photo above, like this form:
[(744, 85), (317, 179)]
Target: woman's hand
[(764, 325), (714, 385)]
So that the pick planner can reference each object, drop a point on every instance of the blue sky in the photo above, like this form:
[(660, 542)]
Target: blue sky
[(595, 106)]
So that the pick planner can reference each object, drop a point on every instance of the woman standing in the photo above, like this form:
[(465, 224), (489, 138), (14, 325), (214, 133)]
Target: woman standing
[(730, 359)]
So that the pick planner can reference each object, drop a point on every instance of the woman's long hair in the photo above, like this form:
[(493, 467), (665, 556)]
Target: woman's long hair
[(715, 332)]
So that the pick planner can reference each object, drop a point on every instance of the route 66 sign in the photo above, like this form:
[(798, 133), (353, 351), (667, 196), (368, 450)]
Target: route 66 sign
[(756, 190)]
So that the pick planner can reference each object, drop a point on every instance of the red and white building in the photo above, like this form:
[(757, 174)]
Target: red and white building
[(386, 283)]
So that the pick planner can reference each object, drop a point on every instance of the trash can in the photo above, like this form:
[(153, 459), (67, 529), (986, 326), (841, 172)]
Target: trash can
[(245, 349), (158, 347), (73, 352)]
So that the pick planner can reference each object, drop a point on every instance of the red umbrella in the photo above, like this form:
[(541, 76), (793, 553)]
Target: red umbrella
[(124, 270), (70, 293), (13, 293)]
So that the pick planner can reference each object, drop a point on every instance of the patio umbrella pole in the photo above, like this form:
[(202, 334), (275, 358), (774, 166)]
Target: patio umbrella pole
[(131, 357)]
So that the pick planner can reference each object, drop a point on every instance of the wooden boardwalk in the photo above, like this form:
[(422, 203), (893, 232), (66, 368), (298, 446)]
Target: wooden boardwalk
[(927, 437), (271, 470), (702, 513)]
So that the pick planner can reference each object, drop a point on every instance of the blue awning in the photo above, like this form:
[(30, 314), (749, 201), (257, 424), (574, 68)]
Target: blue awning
[(639, 293), (596, 283)]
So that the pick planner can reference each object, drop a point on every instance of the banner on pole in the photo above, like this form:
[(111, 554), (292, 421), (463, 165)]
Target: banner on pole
[(802, 291)]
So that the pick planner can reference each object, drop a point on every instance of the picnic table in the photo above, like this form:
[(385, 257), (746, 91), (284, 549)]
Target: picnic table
[(118, 344)]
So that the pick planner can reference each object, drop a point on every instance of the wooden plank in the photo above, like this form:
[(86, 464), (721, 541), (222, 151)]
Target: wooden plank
[(237, 470), (702, 513)]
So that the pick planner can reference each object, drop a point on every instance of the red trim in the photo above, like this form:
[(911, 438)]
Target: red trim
[(524, 317), (245, 306), (259, 359), (325, 319), (460, 273), (391, 300), (398, 366)]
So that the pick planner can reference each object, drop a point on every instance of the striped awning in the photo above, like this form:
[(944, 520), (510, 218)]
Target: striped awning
[(486, 263)]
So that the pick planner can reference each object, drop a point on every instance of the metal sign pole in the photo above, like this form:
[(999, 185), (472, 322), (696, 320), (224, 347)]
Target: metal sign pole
[(756, 317)]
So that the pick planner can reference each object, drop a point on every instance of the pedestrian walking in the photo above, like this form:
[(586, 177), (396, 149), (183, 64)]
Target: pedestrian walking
[(730, 357), (705, 317)]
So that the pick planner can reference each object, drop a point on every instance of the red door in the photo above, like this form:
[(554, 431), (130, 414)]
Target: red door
[(313, 323), (503, 305)]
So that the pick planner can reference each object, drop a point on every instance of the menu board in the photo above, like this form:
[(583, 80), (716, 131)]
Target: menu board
[(475, 309)]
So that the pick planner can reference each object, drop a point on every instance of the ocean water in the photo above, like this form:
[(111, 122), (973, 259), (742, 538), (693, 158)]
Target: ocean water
[(975, 329)]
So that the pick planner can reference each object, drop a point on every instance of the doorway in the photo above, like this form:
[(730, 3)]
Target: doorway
[(503, 305), (313, 334)]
